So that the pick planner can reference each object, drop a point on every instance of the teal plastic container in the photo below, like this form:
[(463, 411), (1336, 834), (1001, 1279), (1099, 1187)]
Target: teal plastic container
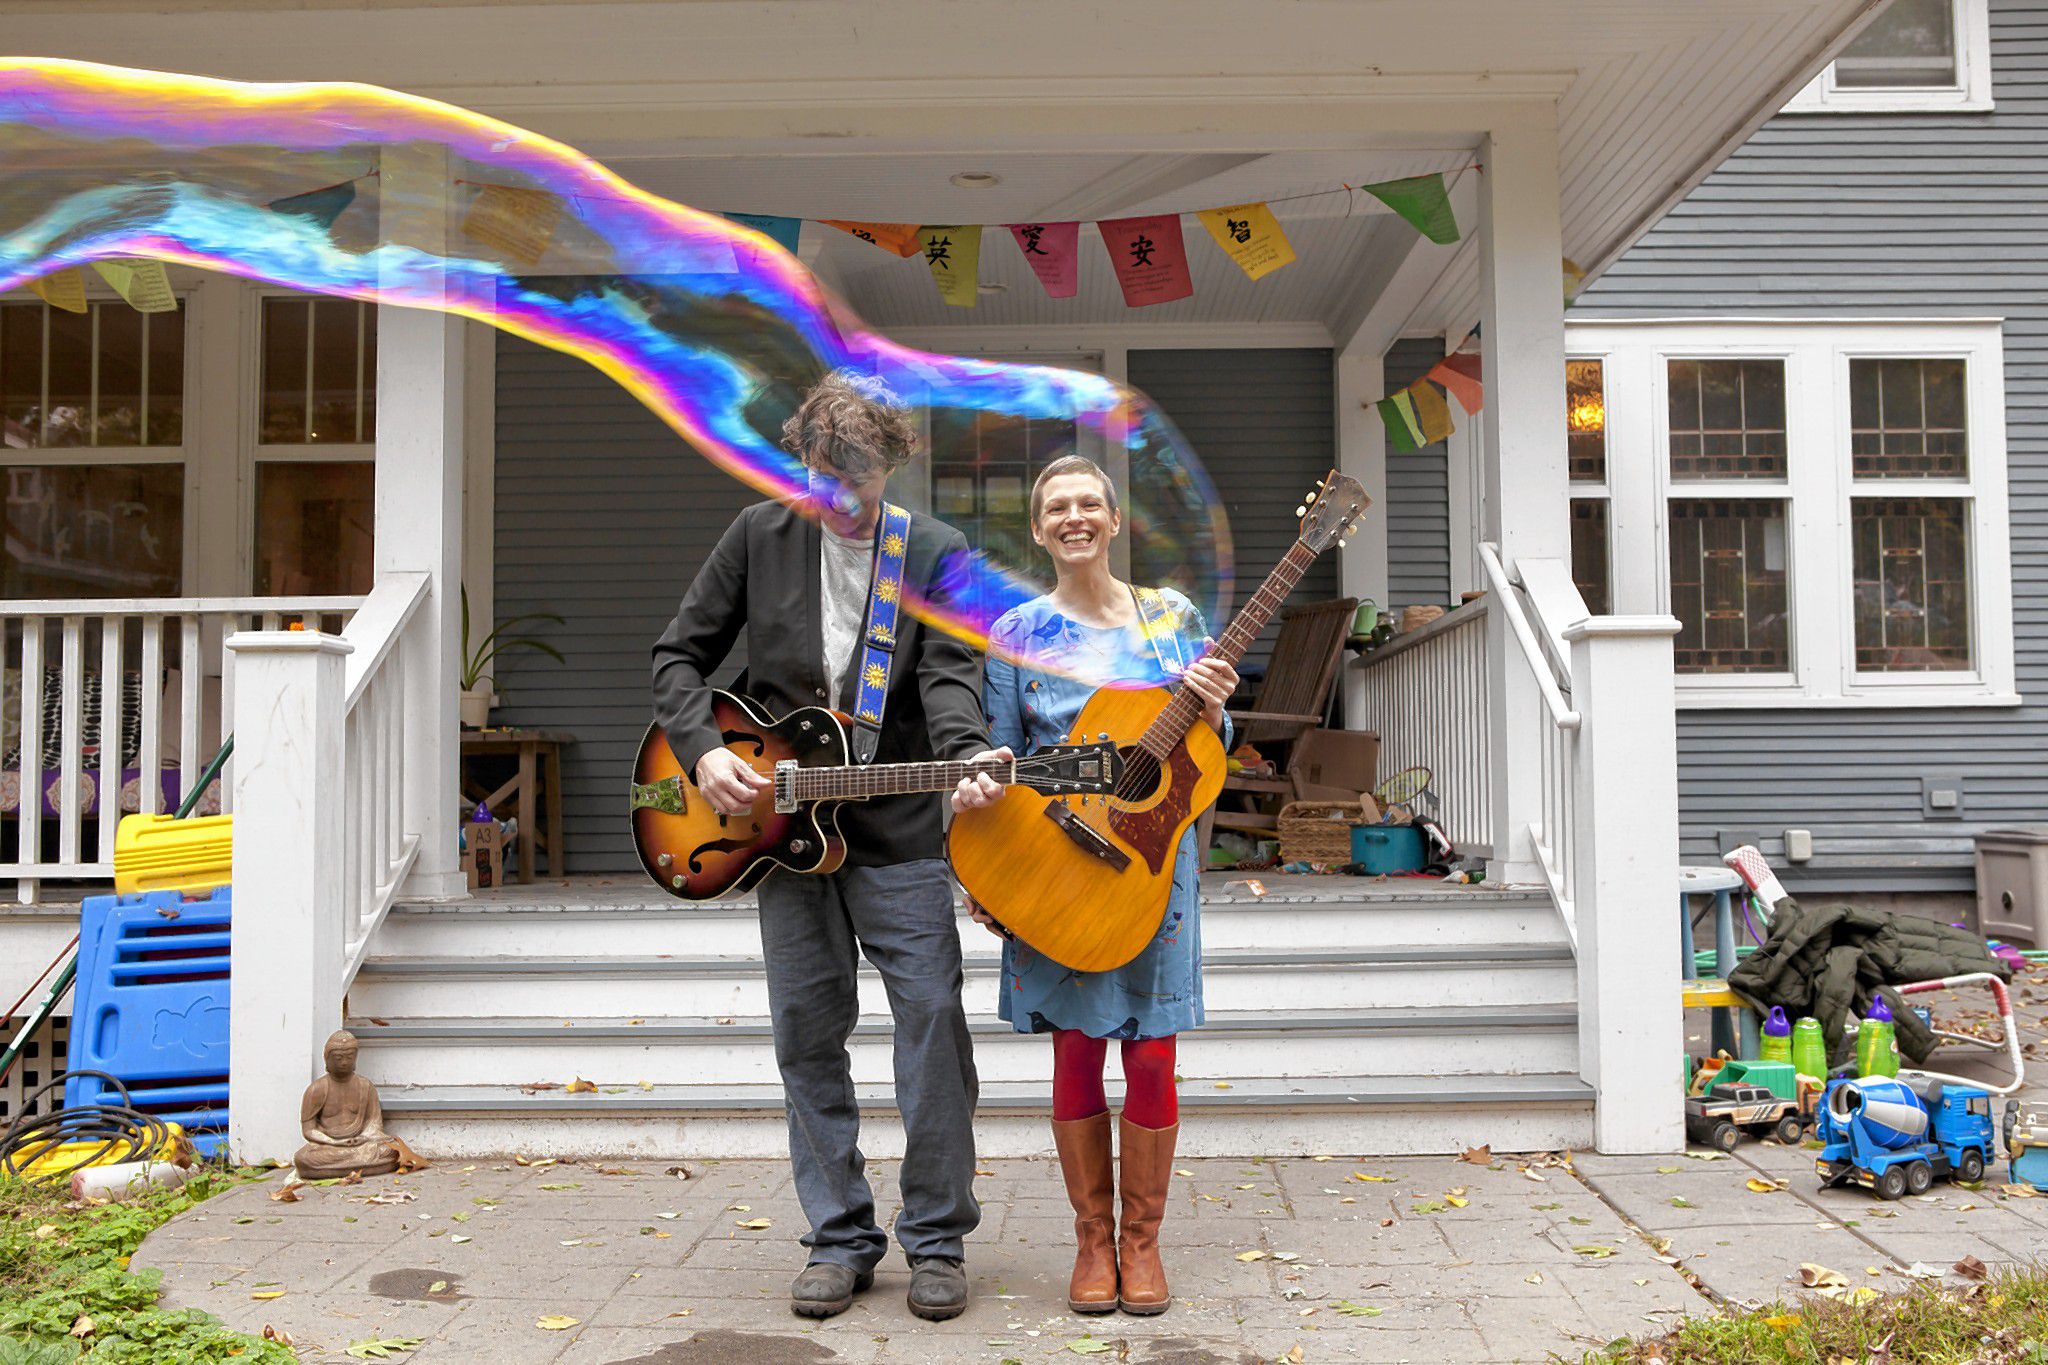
[(1378, 850)]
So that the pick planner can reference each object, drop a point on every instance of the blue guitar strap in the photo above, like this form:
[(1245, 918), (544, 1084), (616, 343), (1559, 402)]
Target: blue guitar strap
[(878, 646), (1162, 628)]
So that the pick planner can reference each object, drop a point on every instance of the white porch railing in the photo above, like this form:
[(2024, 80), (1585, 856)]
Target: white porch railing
[(1425, 692), (114, 706)]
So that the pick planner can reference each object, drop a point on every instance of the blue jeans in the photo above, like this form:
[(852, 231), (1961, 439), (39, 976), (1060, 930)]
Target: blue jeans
[(901, 917)]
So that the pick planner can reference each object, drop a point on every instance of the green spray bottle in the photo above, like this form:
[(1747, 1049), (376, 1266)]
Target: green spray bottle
[(1877, 1046), (1810, 1049), (1777, 1040)]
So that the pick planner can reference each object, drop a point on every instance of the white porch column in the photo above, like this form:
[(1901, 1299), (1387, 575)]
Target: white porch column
[(1362, 453), (1527, 499), (1624, 859), (289, 838), (420, 401)]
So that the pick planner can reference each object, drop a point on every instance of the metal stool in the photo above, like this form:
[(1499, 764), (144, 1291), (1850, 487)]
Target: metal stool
[(1721, 883)]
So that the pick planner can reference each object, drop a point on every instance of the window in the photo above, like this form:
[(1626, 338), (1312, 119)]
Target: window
[(92, 437), (1916, 54), (1822, 505), (315, 458)]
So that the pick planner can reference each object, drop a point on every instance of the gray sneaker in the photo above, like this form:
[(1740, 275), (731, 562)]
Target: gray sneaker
[(938, 1288), (825, 1288)]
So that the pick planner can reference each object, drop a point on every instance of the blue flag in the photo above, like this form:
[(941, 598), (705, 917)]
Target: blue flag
[(783, 230), (322, 206)]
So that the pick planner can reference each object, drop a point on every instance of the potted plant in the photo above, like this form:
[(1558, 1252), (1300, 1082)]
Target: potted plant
[(479, 689)]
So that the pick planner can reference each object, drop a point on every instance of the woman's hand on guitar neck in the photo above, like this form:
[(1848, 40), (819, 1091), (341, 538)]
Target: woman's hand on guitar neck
[(1213, 680), (980, 790), (728, 783)]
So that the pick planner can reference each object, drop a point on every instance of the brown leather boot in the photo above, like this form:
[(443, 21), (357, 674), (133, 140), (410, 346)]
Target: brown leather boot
[(1145, 1168), (1083, 1145)]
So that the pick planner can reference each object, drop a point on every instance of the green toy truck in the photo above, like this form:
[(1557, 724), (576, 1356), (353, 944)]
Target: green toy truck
[(1757, 1098)]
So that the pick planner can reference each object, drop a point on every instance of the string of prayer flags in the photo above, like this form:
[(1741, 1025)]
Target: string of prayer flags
[(518, 222), (63, 289), (322, 206), (954, 255), (1432, 413), (900, 238), (1574, 280), (1054, 253), (1150, 258), (1459, 373), (1250, 235), (144, 284), (1399, 418), (783, 232), (1423, 201)]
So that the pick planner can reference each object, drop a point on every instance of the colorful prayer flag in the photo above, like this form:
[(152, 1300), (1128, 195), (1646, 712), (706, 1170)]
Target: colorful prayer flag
[(900, 238), (1405, 439), (1053, 250), (1459, 372), (1432, 414), (323, 206), (1250, 235), (783, 232), (63, 289), (1150, 258), (1421, 200), (1574, 280), (518, 222), (144, 284), (954, 255)]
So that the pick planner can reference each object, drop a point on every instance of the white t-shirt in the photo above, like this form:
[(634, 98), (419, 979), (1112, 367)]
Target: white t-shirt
[(845, 570)]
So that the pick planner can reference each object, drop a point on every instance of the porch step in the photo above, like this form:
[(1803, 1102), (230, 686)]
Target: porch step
[(1447, 1041), (716, 987), (1354, 1115)]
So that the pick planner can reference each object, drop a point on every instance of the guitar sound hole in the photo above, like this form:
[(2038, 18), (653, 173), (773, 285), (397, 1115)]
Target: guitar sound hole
[(1141, 775)]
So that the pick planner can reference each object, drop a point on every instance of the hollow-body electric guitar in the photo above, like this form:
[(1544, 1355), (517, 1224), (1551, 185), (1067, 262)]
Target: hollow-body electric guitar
[(696, 854), (1086, 883)]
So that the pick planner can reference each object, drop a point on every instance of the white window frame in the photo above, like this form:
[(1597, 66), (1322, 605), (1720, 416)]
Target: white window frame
[(1971, 93), (1819, 485)]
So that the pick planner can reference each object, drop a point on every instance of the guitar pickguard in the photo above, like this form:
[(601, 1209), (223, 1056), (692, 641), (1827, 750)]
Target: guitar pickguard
[(1150, 829)]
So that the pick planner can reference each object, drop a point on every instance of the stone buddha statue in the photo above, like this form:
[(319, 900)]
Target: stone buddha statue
[(342, 1121)]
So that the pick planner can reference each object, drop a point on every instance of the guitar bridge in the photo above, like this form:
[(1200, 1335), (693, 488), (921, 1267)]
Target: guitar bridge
[(785, 786), (1085, 836)]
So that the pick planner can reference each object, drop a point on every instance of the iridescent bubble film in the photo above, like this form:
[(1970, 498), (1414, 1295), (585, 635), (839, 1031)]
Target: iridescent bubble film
[(367, 193)]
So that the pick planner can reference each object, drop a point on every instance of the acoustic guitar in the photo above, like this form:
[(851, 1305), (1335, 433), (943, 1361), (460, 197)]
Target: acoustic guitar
[(1086, 882), (696, 854)]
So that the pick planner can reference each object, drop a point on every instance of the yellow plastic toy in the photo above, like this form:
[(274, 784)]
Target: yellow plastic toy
[(164, 853)]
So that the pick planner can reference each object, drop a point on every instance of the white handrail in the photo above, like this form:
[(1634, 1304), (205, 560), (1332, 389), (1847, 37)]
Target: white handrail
[(1425, 693), (1540, 667), (378, 850)]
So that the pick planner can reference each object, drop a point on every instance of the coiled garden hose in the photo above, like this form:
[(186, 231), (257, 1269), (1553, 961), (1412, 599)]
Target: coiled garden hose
[(122, 1133)]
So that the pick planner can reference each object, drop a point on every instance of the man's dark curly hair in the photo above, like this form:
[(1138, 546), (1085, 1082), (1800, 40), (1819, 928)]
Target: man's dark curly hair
[(852, 424)]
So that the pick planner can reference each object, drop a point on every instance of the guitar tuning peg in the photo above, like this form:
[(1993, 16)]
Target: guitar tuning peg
[(1302, 510)]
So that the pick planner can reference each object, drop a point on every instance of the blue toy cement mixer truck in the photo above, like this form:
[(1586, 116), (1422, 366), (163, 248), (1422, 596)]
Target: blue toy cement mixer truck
[(1894, 1136)]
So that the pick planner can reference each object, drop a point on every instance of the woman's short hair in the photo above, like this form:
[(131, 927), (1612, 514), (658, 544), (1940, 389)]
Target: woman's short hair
[(850, 423), (1071, 464)]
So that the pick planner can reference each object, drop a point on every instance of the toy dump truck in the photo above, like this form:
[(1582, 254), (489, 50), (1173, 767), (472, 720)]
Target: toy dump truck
[(1757, 1098), (2026, 1143), (1896, 1136)]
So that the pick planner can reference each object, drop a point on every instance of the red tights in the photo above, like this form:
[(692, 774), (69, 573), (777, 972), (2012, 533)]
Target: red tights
[(1149, 1098)]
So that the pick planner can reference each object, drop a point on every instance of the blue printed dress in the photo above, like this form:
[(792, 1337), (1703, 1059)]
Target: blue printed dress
[(1159, 992)]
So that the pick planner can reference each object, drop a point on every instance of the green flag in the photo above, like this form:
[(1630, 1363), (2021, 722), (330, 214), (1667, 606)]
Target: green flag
[(1400, 431), (1422, 201)]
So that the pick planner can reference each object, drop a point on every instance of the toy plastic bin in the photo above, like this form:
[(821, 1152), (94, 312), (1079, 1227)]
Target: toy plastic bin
[(1381, 849), (152, 1008), (2012, 883)]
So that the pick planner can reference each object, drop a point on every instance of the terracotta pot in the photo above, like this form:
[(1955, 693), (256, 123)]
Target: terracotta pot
[(475, 706)]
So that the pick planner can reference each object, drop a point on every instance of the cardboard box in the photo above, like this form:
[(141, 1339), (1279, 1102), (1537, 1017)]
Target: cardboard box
[(483, 854), (1335, 765)]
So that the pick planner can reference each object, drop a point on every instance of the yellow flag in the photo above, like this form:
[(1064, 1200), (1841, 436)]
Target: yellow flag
[(1250, 235), (62, 289), (518, 222), (144, 284), (1432, 414), (954, 255)]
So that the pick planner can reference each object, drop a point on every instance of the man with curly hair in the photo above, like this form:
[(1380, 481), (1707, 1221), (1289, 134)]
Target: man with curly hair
[(800, 583)]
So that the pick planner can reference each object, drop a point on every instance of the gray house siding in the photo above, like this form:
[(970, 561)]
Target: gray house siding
[(1418, 496), (1878, 216), (603, 516)]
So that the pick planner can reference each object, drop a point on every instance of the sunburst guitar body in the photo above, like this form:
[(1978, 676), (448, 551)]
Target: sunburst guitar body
[(1086, 882)]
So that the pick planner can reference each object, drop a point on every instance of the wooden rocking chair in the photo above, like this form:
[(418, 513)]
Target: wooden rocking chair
[(1293, 699)]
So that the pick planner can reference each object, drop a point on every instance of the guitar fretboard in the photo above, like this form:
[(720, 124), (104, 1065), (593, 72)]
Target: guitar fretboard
[(892, 779), (1171, 724)]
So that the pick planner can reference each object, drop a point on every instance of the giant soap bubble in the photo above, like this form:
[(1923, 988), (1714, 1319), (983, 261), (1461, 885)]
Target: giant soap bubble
[(366, 193)]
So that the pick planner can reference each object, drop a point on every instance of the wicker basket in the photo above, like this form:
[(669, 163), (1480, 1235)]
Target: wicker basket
[(1318, 831)]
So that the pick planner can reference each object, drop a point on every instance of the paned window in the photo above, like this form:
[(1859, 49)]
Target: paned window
[(1907, 419), (315, 460), (1728, 585), (1727, 419), (1916, 54)]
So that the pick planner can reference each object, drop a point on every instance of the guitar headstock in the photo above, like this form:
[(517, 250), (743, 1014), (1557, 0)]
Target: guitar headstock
[(1072, 769), (1332, 511)]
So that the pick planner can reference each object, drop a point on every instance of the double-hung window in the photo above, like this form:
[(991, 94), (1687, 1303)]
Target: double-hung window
[(316, 426), (1822, 505), (1915, 55)]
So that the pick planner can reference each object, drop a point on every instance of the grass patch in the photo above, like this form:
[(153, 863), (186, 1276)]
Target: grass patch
[(2003, 1321), (61, 1263)]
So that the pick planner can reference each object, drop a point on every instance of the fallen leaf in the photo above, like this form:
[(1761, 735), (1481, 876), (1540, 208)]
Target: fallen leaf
[(755, 1223), (1920, 1270), (408, 1160), (1293, 1357), (1679, 1201), (556, 1322), (1356, 1310), (1763, 1186), (1970, 1268), (1374, 1179), (1820, 1277), (1432, 1206), (268, 1294), (1667, 1170), (383, 1348), (1479, 1156), (1783, 1322), (287, 1193), (1251, 1255), (82, 1328), (562, 1185), (1089, 1346), (679, 1172), (388, 1197), (1708, 1156), (579, 1086), (2021, 1191), (1535, 1278), (458, 1240), (352, 1178), (1177, 1171), (1593, 1249), (1536, 1176), (1284, 1256), (437, 1286), (1223, 1085), (277, 1334)]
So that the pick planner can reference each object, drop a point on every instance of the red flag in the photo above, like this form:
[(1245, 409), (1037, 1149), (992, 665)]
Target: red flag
[(1053, 249), (1459, 373), (1150, 259)]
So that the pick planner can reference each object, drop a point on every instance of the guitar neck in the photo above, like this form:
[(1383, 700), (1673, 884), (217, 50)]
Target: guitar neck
[(1173, 723), (892, 779)]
